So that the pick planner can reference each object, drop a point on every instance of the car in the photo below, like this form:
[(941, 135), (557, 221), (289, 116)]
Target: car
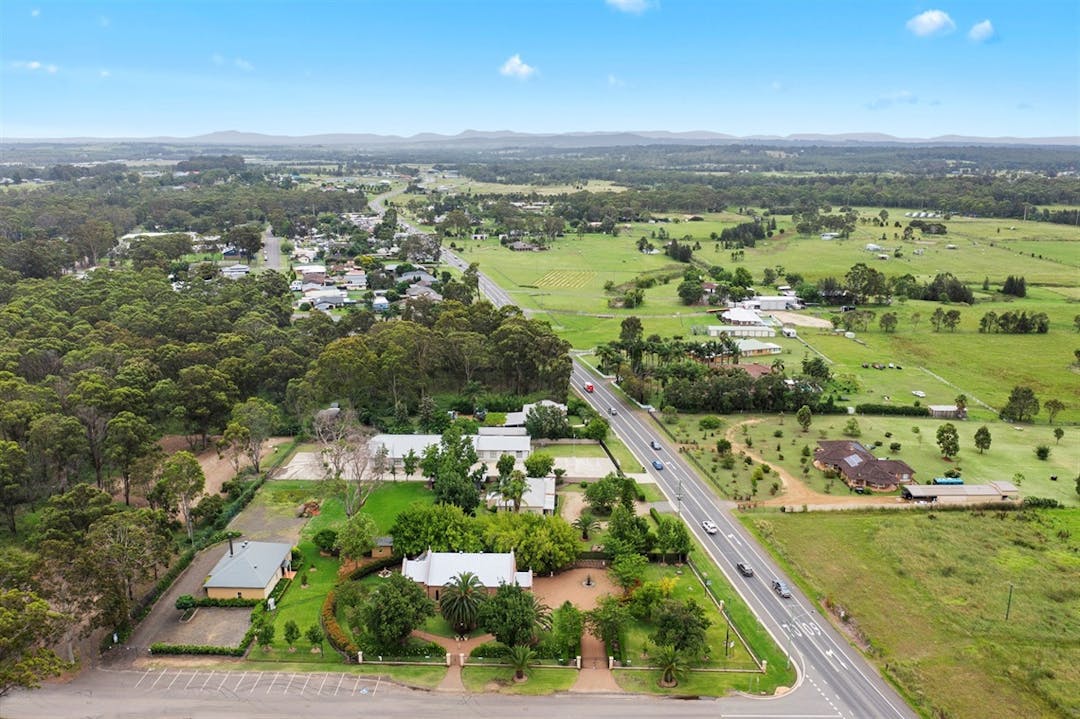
[(657, 464), (612, 411), (781, 589), (710, 527), (745, 569), (654, 444)]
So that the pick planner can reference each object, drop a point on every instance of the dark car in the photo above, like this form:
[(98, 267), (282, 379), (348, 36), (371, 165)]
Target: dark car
[(658, 464), (654, 444), (745, 569), (781, 589)]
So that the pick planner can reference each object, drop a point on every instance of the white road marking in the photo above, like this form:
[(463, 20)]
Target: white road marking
[(305, 684), (173, 681), (159, 678), (223, 680), (258, 679), (242, 678), (189, 681), (323, 684), (141, 679), (339, 684)]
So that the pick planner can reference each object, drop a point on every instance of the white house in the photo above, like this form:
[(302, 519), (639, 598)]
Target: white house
[(380, 304), (753, 348), (235, 272), (434, 570), (539, 497), (773, 302), (740, 331), (489, 447), (517, 419)]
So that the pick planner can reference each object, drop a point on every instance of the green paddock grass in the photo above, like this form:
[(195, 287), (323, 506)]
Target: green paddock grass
[(390, 499), (942, 636), (541, 680), (1011, 451), (464, 184)]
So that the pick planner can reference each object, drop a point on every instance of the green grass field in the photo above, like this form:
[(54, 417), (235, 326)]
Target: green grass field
[(541, 680), (1011, 452), (929, 594)]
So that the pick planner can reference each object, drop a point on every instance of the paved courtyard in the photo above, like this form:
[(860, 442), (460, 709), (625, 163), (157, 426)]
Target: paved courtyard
[(211, 626)]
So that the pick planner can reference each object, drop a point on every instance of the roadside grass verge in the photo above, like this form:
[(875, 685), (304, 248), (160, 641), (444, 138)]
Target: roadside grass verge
[(541, 680), (926, 596)]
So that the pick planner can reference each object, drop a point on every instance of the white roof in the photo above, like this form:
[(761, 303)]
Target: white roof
[(436, 569), (398, 445), (750, 345), (539, 494), (517, 419), (310, 269), (251, 565), (739, 315), (942, 407)]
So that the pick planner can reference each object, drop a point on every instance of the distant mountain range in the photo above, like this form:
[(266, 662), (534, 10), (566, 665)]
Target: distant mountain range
[(477, 139)]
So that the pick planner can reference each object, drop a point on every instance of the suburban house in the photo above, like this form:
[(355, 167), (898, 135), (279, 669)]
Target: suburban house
[(859, 467), (489, 447), (741, 316), (355, 280), (249, 570), (380, 303), (235, 272), (422, 290), (946, 411), (539, 497), (755, 348), (961, 493), (517, 419), (417, 276), (434, 570)]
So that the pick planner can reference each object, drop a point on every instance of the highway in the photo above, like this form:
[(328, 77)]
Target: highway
[(829, 669)]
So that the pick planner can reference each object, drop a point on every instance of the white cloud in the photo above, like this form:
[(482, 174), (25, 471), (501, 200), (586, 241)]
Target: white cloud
[(243, 64), (981, 31), (34, 66), (777, 86), (634, 6), (104, 21), (35, 13), (614, 81), (104, 73), (516, 68), (900, 97), (931, 22)]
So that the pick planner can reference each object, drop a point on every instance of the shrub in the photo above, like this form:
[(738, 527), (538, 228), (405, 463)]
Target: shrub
[(337, 636), (203, 649), (894, 447), (1042, 452), (325, 540), (185, 602), (778, 433)]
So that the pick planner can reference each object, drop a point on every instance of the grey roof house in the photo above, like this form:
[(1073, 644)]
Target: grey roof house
[(249, 570)]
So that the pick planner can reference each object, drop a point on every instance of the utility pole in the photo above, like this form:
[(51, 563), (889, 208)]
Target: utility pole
[(678, 499)]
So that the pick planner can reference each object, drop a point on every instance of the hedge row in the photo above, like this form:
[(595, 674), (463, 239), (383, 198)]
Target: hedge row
[(163, 648), (892, 409), (337, 636), (279, 589)]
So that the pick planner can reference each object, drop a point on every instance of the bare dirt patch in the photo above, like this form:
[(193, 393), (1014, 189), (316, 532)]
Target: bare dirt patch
[(218, 469), (794, 318)]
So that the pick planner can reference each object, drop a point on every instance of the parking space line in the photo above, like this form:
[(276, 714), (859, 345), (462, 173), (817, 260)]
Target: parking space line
[(273, 681), (207, 680), (189, 681), (242, 678), (258, 678), (378, 678), (178, 675), (339, 684), (323, 684), (305, 684), (141, 679), (289, 685), (356, 686), (158, 678), (223, 680)]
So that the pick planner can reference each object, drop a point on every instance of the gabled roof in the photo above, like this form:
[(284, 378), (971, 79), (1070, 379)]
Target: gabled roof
[(539, 494), (859, 465), (436, 569), (250, 565)]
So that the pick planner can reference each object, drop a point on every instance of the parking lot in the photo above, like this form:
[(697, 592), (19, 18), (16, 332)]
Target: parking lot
[(255, 683)]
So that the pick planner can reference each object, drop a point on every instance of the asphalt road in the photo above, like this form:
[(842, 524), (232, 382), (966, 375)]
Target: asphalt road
[(828, 667), (271, 250)]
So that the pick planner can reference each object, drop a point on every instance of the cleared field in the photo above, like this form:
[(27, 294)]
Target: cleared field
[(926, 596)]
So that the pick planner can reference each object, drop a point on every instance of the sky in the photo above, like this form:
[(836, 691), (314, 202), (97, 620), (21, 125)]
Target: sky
[(915, 69)]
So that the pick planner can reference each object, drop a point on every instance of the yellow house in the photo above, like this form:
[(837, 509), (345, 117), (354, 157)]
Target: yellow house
[(249, 570)]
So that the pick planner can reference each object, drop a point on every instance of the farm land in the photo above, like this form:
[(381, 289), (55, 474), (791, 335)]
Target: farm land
[(565, 285), (926, 596), (1011, 452)]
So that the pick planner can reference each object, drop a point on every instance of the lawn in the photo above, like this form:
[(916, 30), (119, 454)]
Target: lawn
[(929, 594), (1011, 452), (303, 606), (541, 680)]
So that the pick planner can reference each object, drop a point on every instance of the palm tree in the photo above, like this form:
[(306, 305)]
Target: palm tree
[(586, 523), (521, 657), (671, 663), (460, 601), (513, 488)]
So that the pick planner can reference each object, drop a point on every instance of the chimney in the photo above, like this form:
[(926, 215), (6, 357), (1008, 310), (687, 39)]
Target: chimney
[(230, 547)]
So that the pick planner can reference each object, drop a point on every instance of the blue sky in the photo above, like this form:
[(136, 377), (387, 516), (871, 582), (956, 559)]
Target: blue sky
[(910, 69)]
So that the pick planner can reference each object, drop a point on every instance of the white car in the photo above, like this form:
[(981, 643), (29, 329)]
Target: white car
[(710, 527)]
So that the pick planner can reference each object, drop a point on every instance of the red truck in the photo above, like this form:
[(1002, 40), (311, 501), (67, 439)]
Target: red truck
[(589, 387)]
